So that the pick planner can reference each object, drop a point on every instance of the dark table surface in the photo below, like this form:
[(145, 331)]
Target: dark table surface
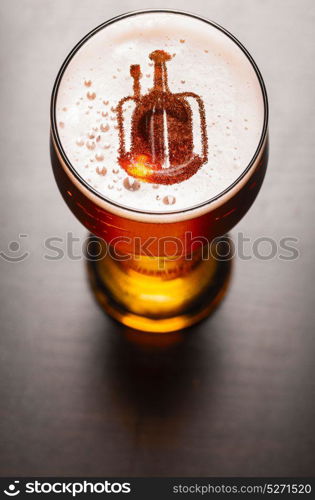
[(236, 397)]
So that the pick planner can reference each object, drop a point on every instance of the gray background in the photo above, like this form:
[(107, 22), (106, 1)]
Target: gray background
[(237, 398)]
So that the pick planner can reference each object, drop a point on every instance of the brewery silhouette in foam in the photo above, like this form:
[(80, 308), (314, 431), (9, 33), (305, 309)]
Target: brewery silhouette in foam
[(159, 112), (162, 145)]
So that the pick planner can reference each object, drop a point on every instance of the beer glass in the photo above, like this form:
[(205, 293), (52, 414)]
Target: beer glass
[(155, 266)]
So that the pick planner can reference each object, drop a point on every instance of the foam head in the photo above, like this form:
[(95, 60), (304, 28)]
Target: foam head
[(160, 111)]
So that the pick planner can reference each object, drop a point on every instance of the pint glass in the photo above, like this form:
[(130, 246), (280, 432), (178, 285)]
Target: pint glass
[(159, 160)]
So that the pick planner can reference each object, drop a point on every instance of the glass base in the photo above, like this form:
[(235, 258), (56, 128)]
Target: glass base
[(157, 294)]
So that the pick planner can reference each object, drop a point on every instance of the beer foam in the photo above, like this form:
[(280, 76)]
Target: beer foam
[(205, 61)]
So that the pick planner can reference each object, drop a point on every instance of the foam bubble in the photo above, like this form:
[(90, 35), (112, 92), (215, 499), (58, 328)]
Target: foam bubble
[(169, 200)]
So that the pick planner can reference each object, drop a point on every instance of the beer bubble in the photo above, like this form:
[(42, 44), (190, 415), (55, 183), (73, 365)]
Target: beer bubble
[(169, 200), (110, 186), (105, 103), (91, 134), (131, 184), (157, 197), (182, 81), (104, 127), (206, 51), (90, 145), (99, 157), (80, 141), (101, 171), (155, 186), (64, 109), (88, 83), (115, 170), (104, 114), (182, 40), (107, 146), (61, 124), (98, 138), (91, 95)]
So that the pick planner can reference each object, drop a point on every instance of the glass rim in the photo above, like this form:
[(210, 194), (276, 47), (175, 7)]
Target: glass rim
[(84, 183)]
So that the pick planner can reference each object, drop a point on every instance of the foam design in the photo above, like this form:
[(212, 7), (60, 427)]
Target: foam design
[(204, 61)]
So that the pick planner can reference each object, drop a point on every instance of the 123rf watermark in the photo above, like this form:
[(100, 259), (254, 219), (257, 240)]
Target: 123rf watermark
[(73, 248)]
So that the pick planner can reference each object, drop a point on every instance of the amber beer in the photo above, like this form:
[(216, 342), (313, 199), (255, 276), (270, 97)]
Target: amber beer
[(159, 146)]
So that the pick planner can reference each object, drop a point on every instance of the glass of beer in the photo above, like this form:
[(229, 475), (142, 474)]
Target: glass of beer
[(159, 146)]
